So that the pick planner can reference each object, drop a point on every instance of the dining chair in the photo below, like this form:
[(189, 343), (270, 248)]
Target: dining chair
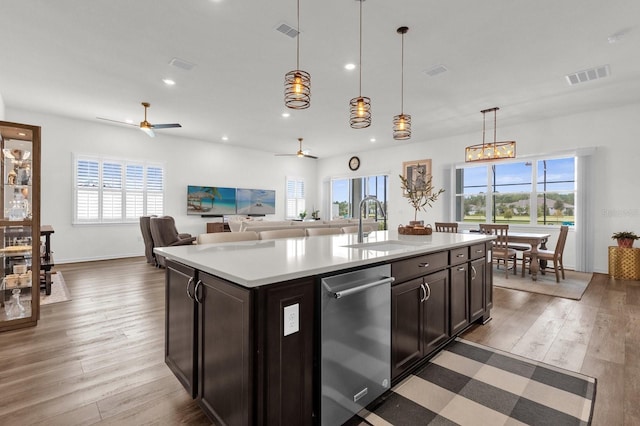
[(226, 237), (500, 249), (554, 256), (323, 231), (282, 233), (446, 226)]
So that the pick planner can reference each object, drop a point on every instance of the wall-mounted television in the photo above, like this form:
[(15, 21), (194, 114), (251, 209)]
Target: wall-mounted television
[(256, 201), (211, 200)]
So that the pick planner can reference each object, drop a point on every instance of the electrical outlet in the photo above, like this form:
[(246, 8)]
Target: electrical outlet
[(291, 319)]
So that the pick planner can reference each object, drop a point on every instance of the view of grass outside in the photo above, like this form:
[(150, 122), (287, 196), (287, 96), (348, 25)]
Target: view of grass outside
[(347, 193), (548, 186)]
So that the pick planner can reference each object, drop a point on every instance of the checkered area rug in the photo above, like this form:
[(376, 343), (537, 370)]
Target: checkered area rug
[(471, 384)]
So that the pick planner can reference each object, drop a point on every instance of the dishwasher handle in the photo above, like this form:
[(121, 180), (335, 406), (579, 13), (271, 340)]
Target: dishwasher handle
[(363, 287)]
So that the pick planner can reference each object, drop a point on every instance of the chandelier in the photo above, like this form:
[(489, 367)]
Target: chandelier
[(490, 150), (297, 83), (402, 122), (360, 107)]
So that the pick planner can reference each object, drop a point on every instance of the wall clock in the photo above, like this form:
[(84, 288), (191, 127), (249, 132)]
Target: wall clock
[(354, 163)]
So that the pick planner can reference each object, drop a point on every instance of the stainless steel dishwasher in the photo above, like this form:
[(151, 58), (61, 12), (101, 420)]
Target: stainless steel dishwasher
[(355, 321)]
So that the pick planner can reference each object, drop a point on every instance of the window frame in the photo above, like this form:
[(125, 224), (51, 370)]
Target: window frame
[(125, 188), (297, 197)]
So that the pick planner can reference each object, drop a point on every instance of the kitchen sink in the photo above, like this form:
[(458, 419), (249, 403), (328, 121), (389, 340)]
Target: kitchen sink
[(389, 245)]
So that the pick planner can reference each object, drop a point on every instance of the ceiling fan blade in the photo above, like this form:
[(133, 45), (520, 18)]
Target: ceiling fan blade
[(148, 131), (116, 121), (286, 155), (165, 126), (310, 156)]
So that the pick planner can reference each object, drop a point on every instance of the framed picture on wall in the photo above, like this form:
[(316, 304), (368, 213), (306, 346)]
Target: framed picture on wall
[(417, 173)]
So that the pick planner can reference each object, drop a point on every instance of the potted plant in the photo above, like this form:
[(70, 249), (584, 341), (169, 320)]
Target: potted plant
[(625, 238), (303, 215), (420, 198)]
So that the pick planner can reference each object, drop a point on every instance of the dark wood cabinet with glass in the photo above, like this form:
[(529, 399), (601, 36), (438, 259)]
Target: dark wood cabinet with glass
[(20, 247)]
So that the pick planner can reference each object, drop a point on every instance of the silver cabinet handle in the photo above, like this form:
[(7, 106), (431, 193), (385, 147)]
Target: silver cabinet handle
[(479, 251), (428, 292), (473, 272), (423, 293), (423, 265), (461, 268), (195, 292), (460, 255), (353, 290), (188, 284)]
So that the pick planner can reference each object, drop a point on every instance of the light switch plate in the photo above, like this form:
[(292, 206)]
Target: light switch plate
[(291, 319)]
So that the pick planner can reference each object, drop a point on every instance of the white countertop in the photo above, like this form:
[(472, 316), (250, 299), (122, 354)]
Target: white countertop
[(256, 263)]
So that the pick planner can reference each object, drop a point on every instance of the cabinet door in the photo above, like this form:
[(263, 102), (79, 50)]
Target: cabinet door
[(406, 325), (436, 311), (180, 324), (488, 285), (476, 289), (224, 351), (459, 298)]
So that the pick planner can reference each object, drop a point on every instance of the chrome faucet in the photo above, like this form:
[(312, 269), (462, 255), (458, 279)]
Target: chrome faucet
[(363, 202)]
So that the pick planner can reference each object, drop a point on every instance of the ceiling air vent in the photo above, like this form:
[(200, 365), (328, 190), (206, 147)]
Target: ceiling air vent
[(435, 70), (181, 63), (588, 75), (288, 30)]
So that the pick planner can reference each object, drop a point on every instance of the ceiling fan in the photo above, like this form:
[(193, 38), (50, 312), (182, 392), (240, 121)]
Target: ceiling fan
[(145, 126), (300, 152)]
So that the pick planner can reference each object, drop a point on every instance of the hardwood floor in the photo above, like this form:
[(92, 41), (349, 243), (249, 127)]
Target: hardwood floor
[(98, 359)]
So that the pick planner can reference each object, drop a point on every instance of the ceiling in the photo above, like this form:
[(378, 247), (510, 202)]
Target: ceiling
[(101, 58)]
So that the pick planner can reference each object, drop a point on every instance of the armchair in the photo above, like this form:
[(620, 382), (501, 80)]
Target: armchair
[(165, 234)]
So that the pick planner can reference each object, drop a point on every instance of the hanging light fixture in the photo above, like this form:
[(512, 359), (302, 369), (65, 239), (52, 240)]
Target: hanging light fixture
[(492, 150), (360, 107), (402, 122), (297, 83)]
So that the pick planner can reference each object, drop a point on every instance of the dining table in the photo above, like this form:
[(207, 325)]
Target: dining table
[(537, 240)]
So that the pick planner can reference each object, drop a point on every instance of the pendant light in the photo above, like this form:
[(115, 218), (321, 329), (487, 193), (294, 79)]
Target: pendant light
[(297, 83), (490, 150), (360, 107), (402, 122)]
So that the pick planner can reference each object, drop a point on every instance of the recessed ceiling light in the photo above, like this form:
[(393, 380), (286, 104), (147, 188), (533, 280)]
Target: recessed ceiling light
[(350, 67), (168, 81), (225, 138), (286, 114), (372, 140)]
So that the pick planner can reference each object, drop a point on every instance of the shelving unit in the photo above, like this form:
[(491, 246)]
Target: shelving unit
[(20, 247)]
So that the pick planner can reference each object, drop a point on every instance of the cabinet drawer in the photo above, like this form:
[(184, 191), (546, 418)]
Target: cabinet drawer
[(459, 255), (477, 251), (405, 269)]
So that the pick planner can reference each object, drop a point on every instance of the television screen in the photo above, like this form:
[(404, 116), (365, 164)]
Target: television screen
[(211, 200), (256, 201)]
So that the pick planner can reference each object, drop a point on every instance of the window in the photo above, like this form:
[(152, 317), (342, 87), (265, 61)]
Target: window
[(116, 191), (541, 192), (347, 193), (295, 197)]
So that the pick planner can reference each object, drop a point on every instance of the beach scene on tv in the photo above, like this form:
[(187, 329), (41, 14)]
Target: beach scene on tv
[(211, 200), (256, 201)]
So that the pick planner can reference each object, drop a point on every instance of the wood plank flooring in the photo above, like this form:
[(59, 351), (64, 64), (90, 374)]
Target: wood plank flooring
[(98, 359)]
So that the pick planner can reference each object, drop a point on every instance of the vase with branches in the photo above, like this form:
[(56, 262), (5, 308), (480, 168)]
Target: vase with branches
[(420, 196)]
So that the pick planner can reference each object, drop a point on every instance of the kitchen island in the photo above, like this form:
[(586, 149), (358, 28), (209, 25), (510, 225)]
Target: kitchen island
[(242, 319)]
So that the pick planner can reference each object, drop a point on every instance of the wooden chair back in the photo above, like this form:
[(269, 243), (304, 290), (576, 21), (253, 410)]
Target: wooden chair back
[(500, 231), (446, 226), (562, 239)]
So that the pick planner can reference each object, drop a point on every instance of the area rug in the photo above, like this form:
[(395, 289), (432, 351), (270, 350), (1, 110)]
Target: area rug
[(572, 287), (472, 384), (59, 291)]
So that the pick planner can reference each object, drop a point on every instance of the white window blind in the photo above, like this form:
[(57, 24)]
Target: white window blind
[(114, 191), (295, 197)]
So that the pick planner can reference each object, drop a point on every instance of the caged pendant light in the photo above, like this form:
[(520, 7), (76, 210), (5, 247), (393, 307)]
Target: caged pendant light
[(360, 107), (402, 122), (491, 150), (297, 83)]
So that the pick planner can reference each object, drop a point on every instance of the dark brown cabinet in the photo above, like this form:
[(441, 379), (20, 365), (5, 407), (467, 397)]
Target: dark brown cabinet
[(180, 324), (224, 350), (459, 298), (477, 282), (419, 319), (225, 343)]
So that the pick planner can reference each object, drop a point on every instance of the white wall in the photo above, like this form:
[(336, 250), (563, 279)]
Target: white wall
[(187, 162), (615, 169), (2, 108)]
